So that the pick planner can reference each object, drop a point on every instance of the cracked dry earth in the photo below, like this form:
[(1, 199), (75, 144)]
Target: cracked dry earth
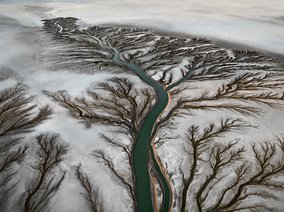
[(129, 120)]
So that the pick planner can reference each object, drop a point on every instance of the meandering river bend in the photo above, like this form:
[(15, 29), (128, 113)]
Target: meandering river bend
[(142, 148)]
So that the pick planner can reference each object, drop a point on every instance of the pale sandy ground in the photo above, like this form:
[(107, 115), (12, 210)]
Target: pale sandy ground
[(256, 24)]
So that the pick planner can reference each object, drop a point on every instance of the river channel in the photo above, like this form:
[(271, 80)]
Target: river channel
[(142, 148)]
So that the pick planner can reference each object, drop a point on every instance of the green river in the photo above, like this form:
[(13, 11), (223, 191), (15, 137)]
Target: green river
[(142, 148)]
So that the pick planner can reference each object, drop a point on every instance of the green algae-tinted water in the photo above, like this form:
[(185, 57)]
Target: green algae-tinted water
[(142, 148)]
